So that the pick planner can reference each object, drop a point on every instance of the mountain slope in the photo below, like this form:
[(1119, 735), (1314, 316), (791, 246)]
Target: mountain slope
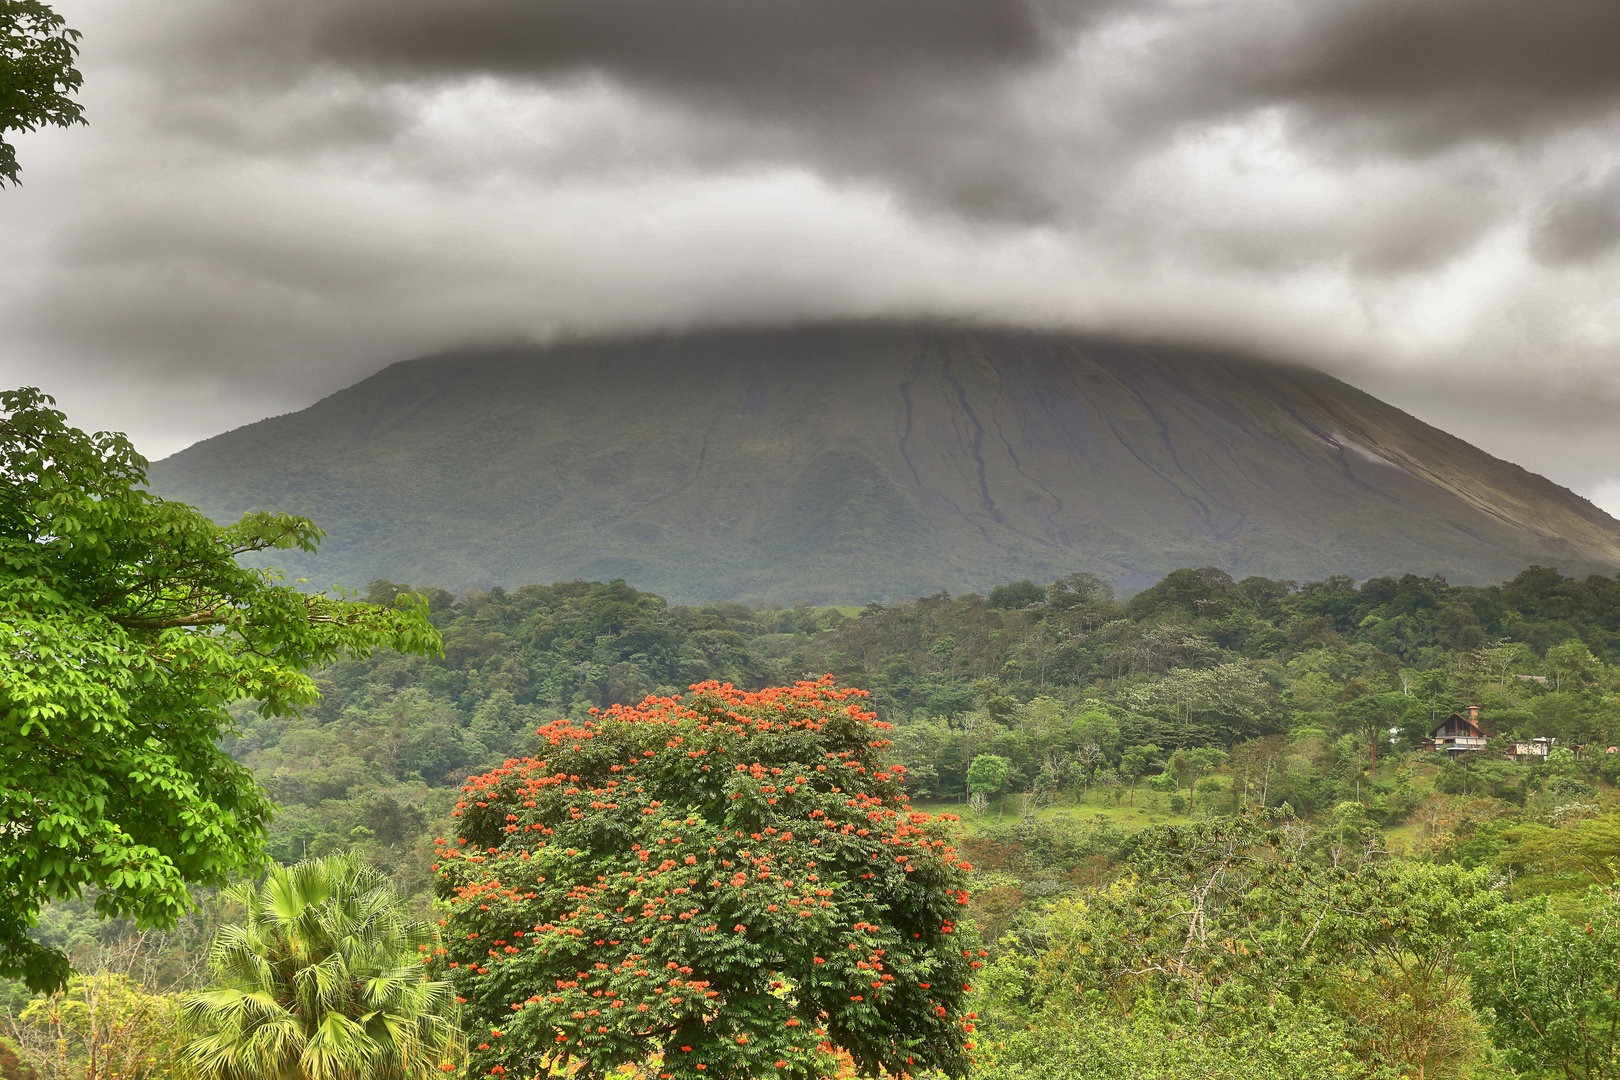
[(857, 462)]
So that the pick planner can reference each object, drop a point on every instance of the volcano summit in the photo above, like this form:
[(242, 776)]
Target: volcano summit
[(850, 463)]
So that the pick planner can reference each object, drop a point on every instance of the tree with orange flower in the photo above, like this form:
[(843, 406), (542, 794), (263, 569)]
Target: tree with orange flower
[(732, 880)]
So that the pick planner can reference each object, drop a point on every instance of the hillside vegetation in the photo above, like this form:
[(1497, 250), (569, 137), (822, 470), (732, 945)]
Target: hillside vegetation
[(839, 464), (1103, 754), (1313, 676)]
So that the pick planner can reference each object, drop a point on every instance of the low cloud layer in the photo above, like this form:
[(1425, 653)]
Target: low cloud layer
[(273, 199)]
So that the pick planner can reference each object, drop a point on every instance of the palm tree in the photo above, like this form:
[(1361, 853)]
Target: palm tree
[(323, 981)]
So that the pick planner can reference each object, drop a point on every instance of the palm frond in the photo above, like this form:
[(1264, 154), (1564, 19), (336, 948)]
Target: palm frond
[(339, 1050), (322, 982)]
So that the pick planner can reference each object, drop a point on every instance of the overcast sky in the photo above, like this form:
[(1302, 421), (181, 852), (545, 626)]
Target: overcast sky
[(275, 198)]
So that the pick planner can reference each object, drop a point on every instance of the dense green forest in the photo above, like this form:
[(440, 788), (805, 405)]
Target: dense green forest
[(1093, 744), (1061, 682)]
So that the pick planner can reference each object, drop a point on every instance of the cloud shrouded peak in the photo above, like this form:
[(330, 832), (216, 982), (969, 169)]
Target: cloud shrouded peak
[(276, 198)]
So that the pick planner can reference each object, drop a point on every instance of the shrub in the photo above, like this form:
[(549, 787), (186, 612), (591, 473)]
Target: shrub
[(1570, 787), (734, 880)]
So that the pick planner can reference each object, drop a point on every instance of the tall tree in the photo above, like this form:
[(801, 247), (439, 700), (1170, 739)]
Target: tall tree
[(1134, 762), (126, 628), (988, 774), (1372, 716), (1190, 766), (37, 75), (324, 980)]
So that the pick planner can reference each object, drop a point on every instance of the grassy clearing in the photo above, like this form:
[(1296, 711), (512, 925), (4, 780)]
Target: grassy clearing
[(1150, 808)]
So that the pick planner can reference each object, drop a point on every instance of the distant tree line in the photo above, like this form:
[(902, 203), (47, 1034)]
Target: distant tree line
[(1073, 688)]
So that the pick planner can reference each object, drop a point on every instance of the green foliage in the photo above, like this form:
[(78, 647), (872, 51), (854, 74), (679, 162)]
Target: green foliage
[(1096, 725), (1354, 948), (988, 774), (12, 1067), (394, 734), (1472, 774), (1223, 930), (371, 765), (1016, 595), (1564, 859), (1552, 987), (126, 628), (37, 75), (1285, 1043), (732, 880), (324, 978), (101, 1024)]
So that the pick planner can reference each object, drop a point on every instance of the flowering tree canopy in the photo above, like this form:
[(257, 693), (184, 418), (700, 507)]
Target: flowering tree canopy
[(734, 880)]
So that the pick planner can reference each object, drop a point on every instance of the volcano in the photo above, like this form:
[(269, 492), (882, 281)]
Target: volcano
[(842, 464)]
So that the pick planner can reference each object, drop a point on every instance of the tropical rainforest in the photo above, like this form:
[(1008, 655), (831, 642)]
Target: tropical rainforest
[(1206, 834)]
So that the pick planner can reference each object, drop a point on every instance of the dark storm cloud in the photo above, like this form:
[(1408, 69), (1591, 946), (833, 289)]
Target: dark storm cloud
[(778, 49), (1409, 76), (1459, 67), (974, 105), (1439, 72), (1579, 224), (913, 92)]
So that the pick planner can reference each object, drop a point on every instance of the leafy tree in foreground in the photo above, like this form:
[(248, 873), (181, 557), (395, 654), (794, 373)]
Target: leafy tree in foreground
[(36, 75), (733, 880), (325, 979), (1552, 987), (126, 626)]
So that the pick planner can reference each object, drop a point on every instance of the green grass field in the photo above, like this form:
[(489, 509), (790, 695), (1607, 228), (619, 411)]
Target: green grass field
[(1150, 808)]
